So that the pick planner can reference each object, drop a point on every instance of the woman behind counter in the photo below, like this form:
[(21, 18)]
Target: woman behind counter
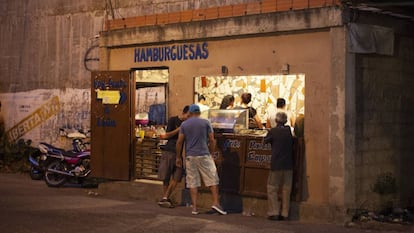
[(227, 102), (254, 120)]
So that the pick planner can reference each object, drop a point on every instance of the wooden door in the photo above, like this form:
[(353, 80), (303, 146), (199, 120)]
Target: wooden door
[(112, 124)]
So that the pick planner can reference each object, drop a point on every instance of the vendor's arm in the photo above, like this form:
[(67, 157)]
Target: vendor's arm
[(258, 121), (268, 125), (170, 134)]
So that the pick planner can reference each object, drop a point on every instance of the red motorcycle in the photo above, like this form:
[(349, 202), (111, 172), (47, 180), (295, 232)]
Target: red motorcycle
[(60, 166), (67, 165)]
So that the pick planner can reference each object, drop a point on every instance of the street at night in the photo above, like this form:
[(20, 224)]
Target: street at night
[(289, 115), (31, 206)]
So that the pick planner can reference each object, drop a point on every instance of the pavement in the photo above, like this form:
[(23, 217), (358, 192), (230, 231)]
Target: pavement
[(31, 206), (253, 209)]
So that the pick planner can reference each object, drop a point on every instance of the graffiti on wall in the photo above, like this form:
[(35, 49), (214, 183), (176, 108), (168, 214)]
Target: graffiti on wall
[(39, 115), (34, 119)]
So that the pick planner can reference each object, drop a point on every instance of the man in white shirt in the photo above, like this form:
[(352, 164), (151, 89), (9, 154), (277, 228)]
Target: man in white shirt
[(280, 107)]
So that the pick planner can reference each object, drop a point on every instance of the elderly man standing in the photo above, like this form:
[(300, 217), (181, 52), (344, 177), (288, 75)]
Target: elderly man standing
[(281, 168), (199, 138)]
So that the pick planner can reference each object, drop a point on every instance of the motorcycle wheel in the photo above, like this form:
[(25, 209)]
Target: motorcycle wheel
[(53, 179), (35, 174)]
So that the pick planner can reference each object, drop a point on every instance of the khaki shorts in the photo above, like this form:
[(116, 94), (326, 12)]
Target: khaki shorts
[(201, 165), (167, 168)]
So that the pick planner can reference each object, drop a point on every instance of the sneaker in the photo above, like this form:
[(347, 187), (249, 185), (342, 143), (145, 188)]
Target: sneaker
[(276, 218), (273, 217), (219, 210), (281, 218), (166, 203)]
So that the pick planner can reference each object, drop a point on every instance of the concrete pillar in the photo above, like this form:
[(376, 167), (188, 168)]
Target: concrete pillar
[(342, 126)]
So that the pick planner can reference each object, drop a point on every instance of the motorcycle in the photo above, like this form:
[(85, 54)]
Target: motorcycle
[(36, 165), (66, 165), (47, 154)]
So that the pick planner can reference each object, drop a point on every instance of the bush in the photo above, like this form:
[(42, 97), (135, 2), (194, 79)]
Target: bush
[(385, 184), (14, 156)]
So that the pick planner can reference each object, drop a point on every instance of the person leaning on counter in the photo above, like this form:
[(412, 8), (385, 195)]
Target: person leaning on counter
[(168, 172)]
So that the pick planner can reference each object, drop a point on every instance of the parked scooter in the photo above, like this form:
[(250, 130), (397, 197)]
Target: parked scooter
[(42, 158)]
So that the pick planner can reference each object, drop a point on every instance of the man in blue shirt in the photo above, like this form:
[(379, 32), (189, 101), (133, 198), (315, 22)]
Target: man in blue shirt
[(199, 141)]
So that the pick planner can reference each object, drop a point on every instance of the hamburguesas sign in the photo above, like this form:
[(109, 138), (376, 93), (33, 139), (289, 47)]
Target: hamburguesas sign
[(176, 52)]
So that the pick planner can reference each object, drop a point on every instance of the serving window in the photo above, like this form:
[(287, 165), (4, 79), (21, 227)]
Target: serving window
[(265, 90)]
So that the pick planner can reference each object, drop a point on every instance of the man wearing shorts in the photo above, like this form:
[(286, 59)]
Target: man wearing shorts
[(199, 141), (167, 171)]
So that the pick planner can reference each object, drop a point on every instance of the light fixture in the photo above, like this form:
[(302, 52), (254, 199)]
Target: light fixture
[(285, 68)]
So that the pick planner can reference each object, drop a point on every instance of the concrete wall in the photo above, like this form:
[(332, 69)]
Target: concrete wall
[(384, 116), (44, 44), (39, 114), (385, 122)]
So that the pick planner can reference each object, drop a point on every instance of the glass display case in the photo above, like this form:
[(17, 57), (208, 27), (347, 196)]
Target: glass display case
[(229, 121)]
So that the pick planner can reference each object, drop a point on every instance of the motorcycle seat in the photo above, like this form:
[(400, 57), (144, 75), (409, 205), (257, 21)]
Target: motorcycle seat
[(56, 150), (70, 153), (53, 147)]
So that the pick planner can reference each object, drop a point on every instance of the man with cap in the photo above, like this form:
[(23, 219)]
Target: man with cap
[(281, 168), (198, 136)]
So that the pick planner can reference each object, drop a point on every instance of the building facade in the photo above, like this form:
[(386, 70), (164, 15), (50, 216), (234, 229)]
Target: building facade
[(357, 91)]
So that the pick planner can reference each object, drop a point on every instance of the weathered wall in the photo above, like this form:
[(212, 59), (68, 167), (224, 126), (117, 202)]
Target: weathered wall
[(385, 122), (44, 44), (384, 116), (39, 114), (44, 47)]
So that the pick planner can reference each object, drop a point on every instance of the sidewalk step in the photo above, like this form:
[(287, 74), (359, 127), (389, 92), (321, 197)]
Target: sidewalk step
[(151, 190)]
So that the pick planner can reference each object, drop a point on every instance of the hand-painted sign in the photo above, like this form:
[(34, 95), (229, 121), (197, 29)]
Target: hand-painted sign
[(105, 84), (231, 143), (109, 96), (258, 154), (176, 52), (30, 122)]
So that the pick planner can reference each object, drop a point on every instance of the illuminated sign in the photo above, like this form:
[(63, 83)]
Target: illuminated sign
[(176, 52)]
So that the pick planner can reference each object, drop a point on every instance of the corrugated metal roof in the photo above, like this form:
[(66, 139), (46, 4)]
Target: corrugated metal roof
[(397, 8)]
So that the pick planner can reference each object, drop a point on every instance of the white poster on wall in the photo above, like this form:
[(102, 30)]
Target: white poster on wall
[(40, 115)]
